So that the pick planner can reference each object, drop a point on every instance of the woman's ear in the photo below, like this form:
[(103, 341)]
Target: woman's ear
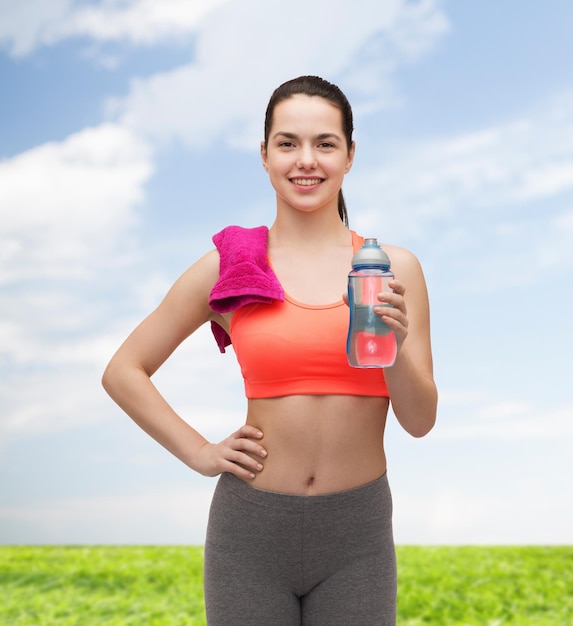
[(264, 156), (350, 157)]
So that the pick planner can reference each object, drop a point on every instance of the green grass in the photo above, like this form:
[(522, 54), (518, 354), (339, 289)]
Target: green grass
[(486, 586), (162, 586), (119, 586)]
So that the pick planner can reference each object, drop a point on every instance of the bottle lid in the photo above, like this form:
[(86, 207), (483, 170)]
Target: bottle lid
[(371, 254)]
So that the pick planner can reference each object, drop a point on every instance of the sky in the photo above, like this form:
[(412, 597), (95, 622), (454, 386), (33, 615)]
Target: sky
[(129, 135)]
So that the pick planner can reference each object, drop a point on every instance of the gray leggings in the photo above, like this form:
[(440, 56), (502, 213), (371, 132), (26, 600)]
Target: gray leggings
[(276, 559)]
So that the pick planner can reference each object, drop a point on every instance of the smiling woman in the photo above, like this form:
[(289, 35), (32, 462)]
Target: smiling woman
[(300, 528), (306, 167), (321, 97)]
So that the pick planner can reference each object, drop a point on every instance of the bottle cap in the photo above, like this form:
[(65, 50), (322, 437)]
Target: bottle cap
[(371, 254)]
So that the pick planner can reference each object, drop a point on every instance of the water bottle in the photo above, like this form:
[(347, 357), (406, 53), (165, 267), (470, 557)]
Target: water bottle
[(371, 342)]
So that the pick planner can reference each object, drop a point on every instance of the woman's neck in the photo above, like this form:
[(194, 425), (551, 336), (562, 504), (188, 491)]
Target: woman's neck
[(305, 229)]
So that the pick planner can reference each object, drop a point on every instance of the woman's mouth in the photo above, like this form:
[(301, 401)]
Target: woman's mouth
[(306, 182)]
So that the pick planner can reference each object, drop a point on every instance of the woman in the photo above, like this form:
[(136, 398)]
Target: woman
[(300, 526)]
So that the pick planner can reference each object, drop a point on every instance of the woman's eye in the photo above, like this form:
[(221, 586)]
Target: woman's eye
[(286, 144), (326, 144)]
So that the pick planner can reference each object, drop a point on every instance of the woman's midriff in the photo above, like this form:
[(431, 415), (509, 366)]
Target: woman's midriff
[(319, 444)]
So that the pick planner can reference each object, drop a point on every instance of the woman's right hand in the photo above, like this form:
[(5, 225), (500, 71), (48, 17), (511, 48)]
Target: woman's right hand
[(239, 454)]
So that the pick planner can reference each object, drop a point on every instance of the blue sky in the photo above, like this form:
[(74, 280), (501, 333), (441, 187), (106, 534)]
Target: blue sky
[(129, 134)]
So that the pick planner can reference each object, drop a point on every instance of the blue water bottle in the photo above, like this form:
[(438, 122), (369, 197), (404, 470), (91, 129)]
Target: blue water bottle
[(371, 342)]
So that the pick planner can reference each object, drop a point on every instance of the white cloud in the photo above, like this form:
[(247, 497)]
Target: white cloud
[(494, 204), (65, 208), (29, 24), (196, 374), (454, 515), (172, 515), (224, 91), (555, 249), (500, 419), (140, 21), (52, 382), (62, 204), (56, 400), (67, 214), (505, 166)]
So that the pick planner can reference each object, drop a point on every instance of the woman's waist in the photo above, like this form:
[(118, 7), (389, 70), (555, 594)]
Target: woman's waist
[(319, 444), (282, 474)]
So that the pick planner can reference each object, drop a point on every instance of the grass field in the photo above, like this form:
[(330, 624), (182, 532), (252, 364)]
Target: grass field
[(161, 586)]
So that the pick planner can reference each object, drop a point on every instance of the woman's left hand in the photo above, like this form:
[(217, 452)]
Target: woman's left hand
[(396, 315)]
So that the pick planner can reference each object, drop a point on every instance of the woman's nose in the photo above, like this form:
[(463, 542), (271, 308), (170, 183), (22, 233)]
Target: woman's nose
[(306, 159)]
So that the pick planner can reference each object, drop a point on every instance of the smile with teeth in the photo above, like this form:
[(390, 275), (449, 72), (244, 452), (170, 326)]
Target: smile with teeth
[(306, 182)]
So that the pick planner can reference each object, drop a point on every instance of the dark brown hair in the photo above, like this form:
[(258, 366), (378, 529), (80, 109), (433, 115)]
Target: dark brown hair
[(315, 86)]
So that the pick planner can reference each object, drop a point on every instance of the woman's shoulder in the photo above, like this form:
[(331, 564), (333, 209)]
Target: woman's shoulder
[(210, 260), (400, 255), (404, 263), (198, 279)]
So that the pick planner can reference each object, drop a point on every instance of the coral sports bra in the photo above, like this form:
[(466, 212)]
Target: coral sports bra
[(290, 348)]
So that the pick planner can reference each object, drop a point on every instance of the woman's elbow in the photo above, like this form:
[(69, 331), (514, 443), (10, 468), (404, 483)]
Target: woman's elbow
[(110, 379), (107, 379), (419, 420), (422, 428)]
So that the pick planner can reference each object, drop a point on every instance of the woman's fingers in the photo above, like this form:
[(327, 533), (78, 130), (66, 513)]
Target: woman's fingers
[(240, 454), (241, 451), (394, 313), (247, 437)]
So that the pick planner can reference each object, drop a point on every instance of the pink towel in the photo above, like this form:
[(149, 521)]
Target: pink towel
[(244, 274)]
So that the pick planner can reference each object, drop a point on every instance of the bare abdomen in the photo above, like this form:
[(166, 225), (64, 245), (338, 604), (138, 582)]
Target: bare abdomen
[(320, 444)]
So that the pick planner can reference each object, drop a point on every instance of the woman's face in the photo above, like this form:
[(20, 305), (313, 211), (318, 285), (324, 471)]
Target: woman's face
[(306, 155)]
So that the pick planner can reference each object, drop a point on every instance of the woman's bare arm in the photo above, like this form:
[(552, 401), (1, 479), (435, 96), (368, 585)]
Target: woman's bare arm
[(410, 380), (127, 378)]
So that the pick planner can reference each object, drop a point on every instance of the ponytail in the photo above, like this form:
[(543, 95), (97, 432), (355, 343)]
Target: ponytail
[(342, 208)]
